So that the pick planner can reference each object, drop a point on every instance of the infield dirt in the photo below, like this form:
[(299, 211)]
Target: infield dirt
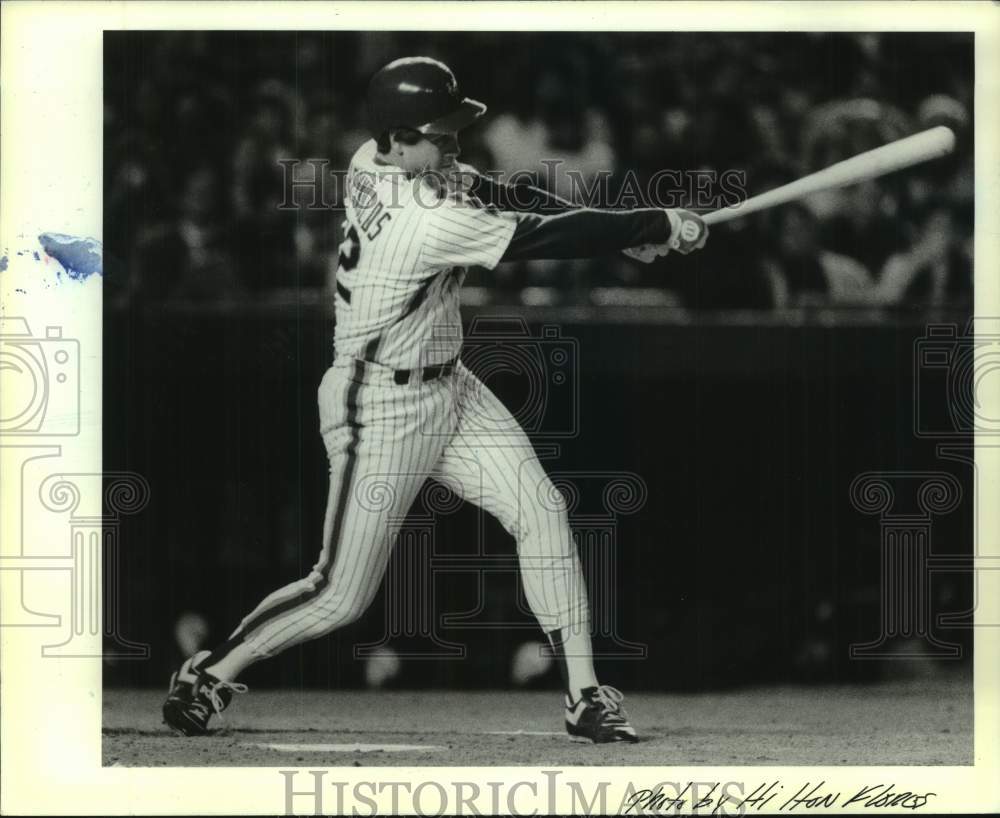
[(926, 722)]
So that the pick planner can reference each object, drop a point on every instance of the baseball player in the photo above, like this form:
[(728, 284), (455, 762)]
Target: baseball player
[(397, 407)]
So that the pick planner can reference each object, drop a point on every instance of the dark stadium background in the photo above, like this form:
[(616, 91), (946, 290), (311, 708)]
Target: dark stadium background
[(744, 389)]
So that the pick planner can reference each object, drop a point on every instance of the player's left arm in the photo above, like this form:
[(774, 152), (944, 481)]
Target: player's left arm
[(587, 233), (687, 232), (518, 197), (456, 234)]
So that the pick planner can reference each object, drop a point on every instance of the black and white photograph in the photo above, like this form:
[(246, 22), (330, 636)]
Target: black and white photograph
[(556, 399), (385, 310)]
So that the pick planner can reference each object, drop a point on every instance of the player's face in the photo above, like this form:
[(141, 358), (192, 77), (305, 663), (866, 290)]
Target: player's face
[(416, 153)]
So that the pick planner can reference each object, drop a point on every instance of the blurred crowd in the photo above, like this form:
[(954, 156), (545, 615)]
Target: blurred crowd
[(197, 125)]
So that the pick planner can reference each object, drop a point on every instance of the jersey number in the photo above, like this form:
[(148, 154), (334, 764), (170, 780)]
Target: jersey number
[(350, 249)]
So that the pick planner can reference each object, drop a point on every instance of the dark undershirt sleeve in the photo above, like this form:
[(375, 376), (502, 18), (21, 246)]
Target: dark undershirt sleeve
[(585, 233), (521, 198)]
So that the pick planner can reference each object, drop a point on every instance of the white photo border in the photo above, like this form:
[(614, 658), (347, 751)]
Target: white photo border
[(52, 129)]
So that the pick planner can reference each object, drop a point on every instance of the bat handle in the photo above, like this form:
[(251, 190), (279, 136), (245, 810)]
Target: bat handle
[(724, 215)]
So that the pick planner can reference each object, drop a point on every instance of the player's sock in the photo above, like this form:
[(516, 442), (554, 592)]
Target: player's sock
[(575, 657), (229, 660)]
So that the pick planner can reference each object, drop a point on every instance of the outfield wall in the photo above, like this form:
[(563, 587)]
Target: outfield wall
[(710, 458)]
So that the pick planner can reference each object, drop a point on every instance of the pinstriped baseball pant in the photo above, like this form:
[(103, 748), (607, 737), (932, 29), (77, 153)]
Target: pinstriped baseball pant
[(383, 441)]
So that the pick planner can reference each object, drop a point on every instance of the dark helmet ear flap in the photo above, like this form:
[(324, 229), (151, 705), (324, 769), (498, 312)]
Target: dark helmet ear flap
[(418, 93)]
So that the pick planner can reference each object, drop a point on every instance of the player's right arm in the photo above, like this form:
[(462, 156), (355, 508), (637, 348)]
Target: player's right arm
[(586, 236), (520, 197), (457, 234), (586, 233)]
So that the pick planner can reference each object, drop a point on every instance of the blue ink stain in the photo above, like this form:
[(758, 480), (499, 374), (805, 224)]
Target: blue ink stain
[(35, 254), (81, 258), (3, 263)]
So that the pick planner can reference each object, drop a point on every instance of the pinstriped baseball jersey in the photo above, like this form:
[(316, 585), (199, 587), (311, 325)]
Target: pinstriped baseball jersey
[(403, 261), (397, 306), (381, 452)]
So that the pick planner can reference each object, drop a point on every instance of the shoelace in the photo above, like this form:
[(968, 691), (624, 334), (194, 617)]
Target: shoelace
[(610, 697), (212, 692)]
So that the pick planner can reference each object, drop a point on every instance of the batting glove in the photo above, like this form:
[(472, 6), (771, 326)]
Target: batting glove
[(687, 232)]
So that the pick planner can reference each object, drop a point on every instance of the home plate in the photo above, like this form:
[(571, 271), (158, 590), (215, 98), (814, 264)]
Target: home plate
[(347, 748), (523, 733)]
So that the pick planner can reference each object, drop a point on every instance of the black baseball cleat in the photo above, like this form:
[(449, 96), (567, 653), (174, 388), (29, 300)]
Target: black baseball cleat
[(195, 696), (598, 716)]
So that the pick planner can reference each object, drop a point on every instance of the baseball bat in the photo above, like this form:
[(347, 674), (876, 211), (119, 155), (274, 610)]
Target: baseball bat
[(902, 153)]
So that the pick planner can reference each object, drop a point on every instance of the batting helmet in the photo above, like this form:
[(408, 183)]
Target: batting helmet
[(421, 94)]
